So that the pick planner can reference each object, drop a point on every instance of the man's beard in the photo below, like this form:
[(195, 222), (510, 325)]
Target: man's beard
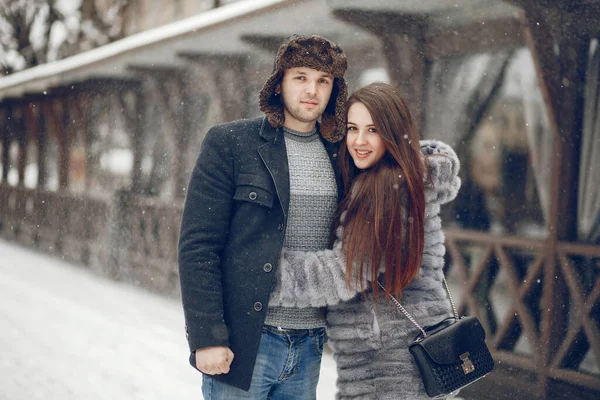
[(305, 115)]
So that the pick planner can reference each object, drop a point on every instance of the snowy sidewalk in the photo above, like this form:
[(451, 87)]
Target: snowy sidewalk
[(68, 334)]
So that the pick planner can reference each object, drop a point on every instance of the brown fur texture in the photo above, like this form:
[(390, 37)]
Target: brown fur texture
[(318, 53)]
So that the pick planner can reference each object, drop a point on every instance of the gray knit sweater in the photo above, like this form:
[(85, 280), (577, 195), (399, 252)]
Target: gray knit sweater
[(313, 203), (370, 338)]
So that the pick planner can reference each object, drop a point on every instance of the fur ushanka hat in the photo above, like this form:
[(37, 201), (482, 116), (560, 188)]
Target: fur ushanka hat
[(318, 53)]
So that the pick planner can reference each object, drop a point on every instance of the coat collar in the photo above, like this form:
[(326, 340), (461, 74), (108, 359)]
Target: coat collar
[(274, 155), (267, 132)]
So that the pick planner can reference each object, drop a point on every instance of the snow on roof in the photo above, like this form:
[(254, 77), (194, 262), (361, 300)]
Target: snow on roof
[(40, 78)]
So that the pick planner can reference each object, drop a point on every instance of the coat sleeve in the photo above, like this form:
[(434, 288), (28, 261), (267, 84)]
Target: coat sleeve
[(441, 172), (204, 230), (317, 279)]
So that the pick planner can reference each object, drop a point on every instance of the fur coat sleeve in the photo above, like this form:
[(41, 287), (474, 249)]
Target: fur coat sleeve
[(317, 279)]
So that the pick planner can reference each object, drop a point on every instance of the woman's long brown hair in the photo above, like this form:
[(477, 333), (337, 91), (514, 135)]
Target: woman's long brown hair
[(385, 204)]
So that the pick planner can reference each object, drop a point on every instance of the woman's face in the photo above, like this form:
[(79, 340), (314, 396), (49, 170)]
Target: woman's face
[(364, 142)]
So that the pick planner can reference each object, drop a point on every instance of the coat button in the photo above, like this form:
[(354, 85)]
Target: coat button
[(268, 267), (252, 195), (257, 306), (334, 155), (280, 227)]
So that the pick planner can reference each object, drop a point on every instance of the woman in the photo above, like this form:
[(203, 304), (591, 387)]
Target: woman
[(389, 218)]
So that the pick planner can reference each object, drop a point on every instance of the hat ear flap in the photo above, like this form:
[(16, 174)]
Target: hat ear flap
[(333, 121), (270, 102), (327, 127)]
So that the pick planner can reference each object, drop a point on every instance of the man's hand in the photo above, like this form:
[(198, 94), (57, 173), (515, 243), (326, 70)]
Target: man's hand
[(214, 360)]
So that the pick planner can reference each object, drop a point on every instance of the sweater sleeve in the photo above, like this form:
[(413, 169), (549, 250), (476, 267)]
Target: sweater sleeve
[(317, 279)]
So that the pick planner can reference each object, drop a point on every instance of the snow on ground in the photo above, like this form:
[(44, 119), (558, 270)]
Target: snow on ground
[(68, 334)]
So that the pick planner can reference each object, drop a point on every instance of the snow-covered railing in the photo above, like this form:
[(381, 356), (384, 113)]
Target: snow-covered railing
[(127, 237)]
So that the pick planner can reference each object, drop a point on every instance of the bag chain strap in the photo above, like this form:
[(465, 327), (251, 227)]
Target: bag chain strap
[(410, 317)]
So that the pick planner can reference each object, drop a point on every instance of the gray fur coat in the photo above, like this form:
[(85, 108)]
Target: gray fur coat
[(370, 338)]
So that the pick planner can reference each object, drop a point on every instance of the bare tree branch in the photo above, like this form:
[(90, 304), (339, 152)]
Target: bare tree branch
[(27, 26)]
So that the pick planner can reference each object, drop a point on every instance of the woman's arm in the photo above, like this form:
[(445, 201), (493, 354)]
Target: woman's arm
[(317, 279), (441, 175), (312, 279)]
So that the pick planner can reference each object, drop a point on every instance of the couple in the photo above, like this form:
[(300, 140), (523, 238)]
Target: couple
[(258, 282)]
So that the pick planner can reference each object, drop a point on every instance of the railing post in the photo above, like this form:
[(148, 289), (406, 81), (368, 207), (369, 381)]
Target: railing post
[(4, 138), (118, 235)]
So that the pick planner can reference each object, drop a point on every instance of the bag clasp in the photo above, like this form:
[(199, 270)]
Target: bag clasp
[(467, 365)]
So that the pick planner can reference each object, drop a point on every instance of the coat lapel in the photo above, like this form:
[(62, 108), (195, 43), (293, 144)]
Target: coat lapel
[(274, 155), (332, 150)]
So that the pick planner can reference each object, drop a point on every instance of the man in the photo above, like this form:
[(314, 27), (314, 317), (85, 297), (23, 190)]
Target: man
[(259, 185)]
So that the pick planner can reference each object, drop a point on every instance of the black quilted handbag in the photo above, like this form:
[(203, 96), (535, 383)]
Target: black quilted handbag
[(450, 354)]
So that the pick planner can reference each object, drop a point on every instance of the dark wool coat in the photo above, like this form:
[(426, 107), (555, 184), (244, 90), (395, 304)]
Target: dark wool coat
[(231, 237)]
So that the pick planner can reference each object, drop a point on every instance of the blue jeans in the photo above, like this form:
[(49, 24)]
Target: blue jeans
[(287, 367)]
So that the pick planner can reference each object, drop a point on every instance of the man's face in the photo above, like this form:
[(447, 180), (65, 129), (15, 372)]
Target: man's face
[(305, 93)]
